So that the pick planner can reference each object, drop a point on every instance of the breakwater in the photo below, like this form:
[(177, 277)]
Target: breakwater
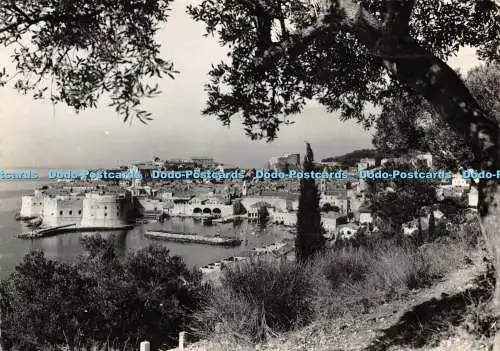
[(192, 238), (70, 228)]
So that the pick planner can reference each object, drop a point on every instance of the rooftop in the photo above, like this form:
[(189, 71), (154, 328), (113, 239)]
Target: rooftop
[(283, 195)]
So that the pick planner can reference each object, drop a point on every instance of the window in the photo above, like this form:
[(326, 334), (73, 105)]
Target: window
[(60, 213), (105, 214), (79, 211), (105, 207), (118, 214), (70, 212)]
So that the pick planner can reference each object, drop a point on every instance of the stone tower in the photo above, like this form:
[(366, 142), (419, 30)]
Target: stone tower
[(322, 186), (244, 188)]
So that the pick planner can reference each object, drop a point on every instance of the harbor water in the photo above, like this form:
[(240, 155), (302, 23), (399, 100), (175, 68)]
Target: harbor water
[(66, 247)]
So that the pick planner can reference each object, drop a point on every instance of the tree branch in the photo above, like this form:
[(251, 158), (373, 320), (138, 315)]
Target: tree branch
[(397, 16), (48, 18), (21, 12)]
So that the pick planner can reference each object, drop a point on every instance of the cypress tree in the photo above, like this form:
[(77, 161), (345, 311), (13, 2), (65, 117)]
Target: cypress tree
[(420, 239), (432, 227), (309, 239)]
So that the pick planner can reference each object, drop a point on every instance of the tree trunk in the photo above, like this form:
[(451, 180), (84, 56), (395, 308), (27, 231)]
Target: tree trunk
[(490, 227)]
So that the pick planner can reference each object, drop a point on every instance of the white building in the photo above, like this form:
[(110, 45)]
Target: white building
[(330, 164), (167, 196), (284, 218), (329, 223), (365, 216), (427, 158), (342, 202), (151, 205), (366, 163), (473, 197), (459, 180)]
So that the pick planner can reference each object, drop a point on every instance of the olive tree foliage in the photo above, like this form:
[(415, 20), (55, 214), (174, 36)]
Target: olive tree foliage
[(283, 53), (409, 122), (76, 51), (484, 84)]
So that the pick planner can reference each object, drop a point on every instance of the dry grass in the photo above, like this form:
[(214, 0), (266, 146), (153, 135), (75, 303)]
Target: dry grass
[(258, 301), (261, 300)]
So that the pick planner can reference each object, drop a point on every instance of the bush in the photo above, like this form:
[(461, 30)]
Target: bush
[(399, 269), (348, 264), (259, 299)]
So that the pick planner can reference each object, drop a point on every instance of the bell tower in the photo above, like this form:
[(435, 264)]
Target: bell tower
[(244, 188)]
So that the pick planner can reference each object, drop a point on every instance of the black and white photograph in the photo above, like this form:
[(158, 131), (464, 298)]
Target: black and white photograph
[(237, 175)]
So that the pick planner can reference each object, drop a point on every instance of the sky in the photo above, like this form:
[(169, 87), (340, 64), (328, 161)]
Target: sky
[(37, 134)]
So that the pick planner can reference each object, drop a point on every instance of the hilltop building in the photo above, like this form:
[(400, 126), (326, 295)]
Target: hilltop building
[(366, 163), (204, 161), (284, 163)]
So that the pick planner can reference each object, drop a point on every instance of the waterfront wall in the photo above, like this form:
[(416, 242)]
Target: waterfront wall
[(277, 202), (150, 205)]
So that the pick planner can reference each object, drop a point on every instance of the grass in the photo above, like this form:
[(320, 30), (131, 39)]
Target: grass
[(265, 299), (259, 300)]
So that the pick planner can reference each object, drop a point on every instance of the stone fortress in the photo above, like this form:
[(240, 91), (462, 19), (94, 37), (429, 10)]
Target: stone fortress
[(80, 206)]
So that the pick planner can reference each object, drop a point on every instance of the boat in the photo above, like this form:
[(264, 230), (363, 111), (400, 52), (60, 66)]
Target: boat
[(207, 220), (223, 220), (163, 217), (35, 222)]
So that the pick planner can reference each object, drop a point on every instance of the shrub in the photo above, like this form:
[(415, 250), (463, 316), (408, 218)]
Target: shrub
[(259, 299), (347, 264), (148, 295), (399, 269)]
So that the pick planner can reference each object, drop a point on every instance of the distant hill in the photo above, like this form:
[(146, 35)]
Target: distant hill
[(350, 159)]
